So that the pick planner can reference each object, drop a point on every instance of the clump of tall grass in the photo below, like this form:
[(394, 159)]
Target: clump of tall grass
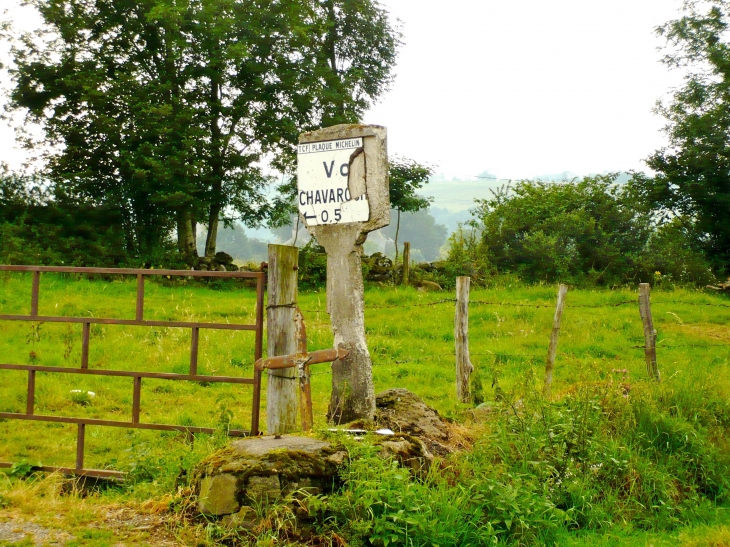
[(597, 458)]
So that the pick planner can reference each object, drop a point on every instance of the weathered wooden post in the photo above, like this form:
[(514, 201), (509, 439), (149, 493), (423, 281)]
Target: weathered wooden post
[(553, 348), (406, 262), (464, 367), (281, 310), (649, 333), (343, 195)]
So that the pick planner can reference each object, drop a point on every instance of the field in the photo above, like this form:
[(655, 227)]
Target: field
[(410, 337)]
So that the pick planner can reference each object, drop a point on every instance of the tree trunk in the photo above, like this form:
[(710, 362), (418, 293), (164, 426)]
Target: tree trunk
[(397, 229), (216, 160), (194, 230), (334, 83), (185, 236), (212, 237)]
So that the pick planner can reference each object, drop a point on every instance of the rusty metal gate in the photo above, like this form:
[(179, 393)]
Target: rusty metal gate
[(83, 368)]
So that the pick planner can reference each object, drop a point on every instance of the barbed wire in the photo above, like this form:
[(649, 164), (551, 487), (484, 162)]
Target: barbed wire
[(658, 347), (572, 355), (698, 304), (526, 305)]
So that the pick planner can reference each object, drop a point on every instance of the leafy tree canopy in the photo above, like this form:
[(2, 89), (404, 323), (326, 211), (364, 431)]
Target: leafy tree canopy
[(589, 230), (406, 177), (166, 110), (693, 172)]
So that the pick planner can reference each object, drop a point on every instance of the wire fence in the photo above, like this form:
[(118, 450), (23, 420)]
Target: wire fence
[(529, 305), (636, 345)]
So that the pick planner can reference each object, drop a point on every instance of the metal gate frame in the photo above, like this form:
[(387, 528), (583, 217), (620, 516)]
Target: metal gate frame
[(83, 368)]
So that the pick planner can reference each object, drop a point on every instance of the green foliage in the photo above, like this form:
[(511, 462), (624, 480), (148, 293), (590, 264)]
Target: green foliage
[(312, 266), (563, 231), (587, 232), (606, 457), (22, 469), (60, 234), (693, 179), (407, 176), (677, 253), (465, 258), (382, 504), (165, 112)]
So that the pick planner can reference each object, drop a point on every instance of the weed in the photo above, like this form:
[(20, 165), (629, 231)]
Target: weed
[(22, 469), (81, 398)]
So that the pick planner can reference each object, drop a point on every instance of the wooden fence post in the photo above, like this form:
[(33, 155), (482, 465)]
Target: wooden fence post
[(649, 332), (553, 349), (302, 368), (406, 263), (464, 367), (281, 392)]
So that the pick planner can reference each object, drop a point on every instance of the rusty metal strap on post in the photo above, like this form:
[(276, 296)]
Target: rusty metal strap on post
[(293, 360)]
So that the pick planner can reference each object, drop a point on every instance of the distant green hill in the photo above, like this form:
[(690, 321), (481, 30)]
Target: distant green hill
[(458, 195)]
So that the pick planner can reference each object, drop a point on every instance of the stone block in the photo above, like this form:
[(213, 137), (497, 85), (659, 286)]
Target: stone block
[(264, 490), (218, 495)]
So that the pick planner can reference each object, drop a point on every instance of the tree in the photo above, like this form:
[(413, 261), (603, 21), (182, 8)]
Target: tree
[(422, 231), (558, 232), (166, 109), (693, 172), (407, 176)]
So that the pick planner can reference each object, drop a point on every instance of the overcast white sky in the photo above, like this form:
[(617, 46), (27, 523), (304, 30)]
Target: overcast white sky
[(522, 87)]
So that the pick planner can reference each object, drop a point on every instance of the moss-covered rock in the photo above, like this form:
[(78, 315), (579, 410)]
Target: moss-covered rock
[(261, 470), (218, 495), (404, 412)]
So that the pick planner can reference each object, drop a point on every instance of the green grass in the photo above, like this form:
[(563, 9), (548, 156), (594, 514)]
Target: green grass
[(673, 437)]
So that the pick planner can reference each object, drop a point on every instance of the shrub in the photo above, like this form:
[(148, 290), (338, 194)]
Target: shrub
[(591, 231)]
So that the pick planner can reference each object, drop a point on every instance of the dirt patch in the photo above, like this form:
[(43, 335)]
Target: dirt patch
[(131, 527), (14, 529), (127, 526)]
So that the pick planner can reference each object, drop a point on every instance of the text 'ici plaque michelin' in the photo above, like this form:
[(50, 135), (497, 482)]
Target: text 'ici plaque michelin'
[(324, 170)]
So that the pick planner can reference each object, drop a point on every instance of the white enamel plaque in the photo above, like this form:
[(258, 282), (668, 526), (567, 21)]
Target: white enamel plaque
[(323, 196)]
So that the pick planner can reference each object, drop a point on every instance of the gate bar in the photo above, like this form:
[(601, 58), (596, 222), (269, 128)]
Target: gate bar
[(256, 405), (34, 293), (140, 298), (80, 440), (194, 352), (136, 399), (85, 345), (30, 400)]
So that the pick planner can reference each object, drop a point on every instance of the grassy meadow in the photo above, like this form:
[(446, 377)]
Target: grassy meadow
[(660, 453)]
